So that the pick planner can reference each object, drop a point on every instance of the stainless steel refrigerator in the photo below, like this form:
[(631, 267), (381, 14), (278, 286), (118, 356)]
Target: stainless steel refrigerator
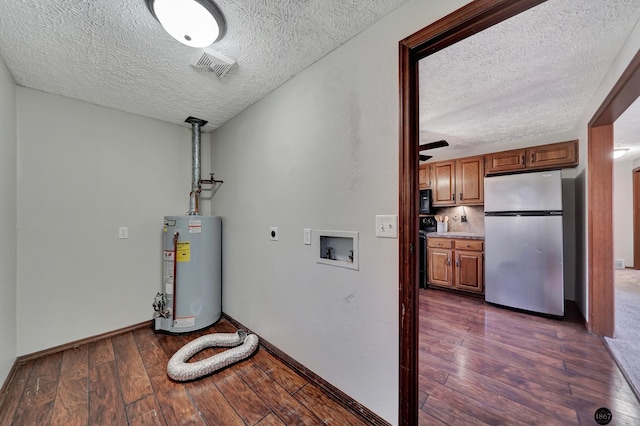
[(523, 241)]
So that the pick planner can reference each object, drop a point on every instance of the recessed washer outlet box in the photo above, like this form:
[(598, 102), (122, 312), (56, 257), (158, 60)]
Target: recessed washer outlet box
[(338, 248)]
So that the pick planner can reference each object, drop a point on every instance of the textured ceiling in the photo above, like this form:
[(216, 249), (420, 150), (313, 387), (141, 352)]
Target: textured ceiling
[(526, 78), (115, 54)]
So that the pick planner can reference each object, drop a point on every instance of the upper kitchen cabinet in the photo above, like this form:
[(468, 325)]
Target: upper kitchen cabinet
[(424, 179), (458, 182), (470, 180), (444, 186), (552, 156), (506, 161), (562, 154)]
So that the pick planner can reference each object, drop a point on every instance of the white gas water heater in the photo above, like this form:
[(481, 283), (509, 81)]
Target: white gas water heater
[(191, 296)]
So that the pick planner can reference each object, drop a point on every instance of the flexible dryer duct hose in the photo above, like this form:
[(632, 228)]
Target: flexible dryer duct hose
[(181, 370)]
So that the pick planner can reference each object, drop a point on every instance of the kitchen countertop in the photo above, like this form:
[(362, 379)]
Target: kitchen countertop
[(460, 235)]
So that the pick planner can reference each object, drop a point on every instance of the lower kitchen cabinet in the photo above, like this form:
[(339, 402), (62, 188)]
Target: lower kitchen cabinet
[(456, 263), (469, 271)]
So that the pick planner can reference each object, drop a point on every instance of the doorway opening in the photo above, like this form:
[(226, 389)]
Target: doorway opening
[(597, 243), (464, 22), (600, 282)]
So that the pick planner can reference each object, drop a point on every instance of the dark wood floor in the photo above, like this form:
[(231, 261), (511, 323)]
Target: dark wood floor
[(481, 364), (122, 380)]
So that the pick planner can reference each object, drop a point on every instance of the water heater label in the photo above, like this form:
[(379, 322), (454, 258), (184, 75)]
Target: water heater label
[(167, 276), (184, 251), (169, 255), (184, 322), (195, 226)]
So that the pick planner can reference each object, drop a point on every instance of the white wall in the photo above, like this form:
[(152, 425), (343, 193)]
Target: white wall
[(84, 171), (627, 52), (8, 221), (623, 211), (322, 152)]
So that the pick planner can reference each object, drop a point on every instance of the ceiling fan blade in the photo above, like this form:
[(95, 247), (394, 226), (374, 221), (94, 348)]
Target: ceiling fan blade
[(425, 157), (432, 145)]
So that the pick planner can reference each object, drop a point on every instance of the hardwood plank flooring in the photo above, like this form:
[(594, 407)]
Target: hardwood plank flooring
[(122, 380), (36, 403), (105, 397), (145, 411), (134, 381), (329, 412), (482, 364), (71, 406), (479, 364), (9, 402)]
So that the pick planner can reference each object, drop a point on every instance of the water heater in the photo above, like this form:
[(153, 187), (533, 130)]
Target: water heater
[(191, 259), (191, 273)]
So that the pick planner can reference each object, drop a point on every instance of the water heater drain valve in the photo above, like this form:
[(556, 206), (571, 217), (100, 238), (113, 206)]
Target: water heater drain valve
[(160, 306)]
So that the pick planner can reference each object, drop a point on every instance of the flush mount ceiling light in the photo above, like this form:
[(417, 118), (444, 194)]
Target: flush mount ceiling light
[(196, 23), (619, 152)]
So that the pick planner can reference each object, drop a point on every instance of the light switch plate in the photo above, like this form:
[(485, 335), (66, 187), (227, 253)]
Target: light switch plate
[(307, 236), (387, 226)]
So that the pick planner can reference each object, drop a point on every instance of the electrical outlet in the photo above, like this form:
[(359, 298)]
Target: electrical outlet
[(123, 232), (273, 233), (307, 236)]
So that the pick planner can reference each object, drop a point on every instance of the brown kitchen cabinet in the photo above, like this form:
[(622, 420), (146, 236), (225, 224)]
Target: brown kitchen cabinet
[(456, 264), (424, 179), (439, 262), (543, 157), (458, 182), (443, 186), (470, 181)]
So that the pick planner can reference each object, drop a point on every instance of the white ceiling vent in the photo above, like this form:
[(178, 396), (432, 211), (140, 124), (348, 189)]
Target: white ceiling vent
[(214, 62)]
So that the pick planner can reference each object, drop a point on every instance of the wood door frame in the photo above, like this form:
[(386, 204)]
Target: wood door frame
[(636, 217), (600, 278), (462, 23)]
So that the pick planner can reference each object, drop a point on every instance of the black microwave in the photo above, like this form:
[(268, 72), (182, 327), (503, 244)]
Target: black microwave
[(424, 203)]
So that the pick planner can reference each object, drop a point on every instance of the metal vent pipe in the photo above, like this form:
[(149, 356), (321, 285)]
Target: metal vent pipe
[(194, 196)]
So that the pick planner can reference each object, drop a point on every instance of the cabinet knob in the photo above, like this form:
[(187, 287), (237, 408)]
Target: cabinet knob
[(460, 197)]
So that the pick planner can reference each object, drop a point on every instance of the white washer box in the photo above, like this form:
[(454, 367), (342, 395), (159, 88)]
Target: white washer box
[(338, 248)]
